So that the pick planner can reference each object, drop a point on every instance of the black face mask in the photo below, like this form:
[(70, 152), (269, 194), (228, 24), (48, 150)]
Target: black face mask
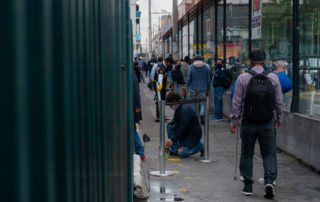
[(178, 66), (169, 67)]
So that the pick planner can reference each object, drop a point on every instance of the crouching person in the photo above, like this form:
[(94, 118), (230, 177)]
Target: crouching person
[(184, 132)]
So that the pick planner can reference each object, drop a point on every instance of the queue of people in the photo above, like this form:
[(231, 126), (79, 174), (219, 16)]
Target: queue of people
[(257, 101)]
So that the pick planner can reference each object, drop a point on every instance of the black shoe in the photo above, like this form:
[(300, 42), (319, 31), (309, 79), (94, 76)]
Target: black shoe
[(269, 192), (173, 153), (157, 120), (201, 153), (247, 191)]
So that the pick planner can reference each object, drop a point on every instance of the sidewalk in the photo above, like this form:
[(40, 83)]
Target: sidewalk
[(206, 182)]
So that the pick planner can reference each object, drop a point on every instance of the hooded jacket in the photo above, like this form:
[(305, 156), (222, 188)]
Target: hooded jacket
[(199, 77)]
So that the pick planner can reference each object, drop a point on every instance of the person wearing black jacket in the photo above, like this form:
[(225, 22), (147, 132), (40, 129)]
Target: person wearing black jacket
[(184, 132), (138, 148)]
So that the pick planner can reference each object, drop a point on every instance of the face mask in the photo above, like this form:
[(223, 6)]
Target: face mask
[(174, 108)]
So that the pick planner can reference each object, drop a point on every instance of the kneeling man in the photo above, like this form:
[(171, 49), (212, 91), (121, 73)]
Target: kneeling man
[(184, 132)]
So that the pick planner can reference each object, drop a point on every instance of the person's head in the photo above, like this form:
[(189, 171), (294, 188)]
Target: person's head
[(177, 63), (169, 61), (219, 61), (198, 61), (232, 60), (186, 59), (257, 58), (173, 97), (135, 64), (281, 65), (160, 59), (153, 56)]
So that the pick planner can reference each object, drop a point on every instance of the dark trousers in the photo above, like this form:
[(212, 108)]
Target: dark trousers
[(265, 134)]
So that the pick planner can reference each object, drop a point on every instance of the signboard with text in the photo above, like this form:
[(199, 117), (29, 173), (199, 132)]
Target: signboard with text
[(256, 19)]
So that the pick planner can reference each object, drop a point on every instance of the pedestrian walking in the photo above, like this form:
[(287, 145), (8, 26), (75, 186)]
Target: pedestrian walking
[(258, 94), (199, 81), (185, 67), (184, 132), (138, 148)]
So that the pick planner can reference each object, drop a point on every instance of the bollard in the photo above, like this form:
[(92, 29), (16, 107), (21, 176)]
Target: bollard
[(206, 158), (197, 105), (162, 172)]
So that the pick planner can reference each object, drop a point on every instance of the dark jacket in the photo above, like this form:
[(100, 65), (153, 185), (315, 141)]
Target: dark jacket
[(187, 128), (219, 74), (136, 99)]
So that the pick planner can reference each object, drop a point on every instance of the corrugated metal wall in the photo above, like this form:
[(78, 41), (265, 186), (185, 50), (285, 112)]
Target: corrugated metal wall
[(66, 104)]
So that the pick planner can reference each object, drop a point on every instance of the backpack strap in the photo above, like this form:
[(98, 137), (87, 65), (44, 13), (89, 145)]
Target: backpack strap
[(265, 73), (253, 73)]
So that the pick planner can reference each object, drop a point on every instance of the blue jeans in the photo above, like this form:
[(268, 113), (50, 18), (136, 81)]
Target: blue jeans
[(218, 102), (201, 95), (264, 132), (183, 152), (138, 148)]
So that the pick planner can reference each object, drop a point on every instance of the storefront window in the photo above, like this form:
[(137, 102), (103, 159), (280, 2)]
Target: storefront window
[(310, 57), (185, 41), (191, 37)]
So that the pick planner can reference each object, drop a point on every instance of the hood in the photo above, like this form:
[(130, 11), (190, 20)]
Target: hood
[(198, 63)]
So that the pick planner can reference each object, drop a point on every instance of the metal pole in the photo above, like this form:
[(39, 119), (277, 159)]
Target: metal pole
[(197, 31), (188, 36), (206, 158), (216, 30), (250, 27), (162, 172), (174, 28), (150, 31), (162, 138), (295, 58), (197, 104), (225, 33), (202, 40)]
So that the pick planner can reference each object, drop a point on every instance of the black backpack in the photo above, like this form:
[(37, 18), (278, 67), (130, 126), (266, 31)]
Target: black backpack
[(177, 76), (227, 82), (259, 102)]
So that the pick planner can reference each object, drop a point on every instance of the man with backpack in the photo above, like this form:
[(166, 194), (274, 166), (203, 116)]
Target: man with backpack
[(257, 97)]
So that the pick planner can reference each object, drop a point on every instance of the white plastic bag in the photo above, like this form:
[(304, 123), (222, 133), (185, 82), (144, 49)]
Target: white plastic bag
[(141, 184)]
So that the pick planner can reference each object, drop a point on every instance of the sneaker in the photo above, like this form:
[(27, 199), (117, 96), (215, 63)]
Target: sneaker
[(261, 181), (216, 119), (201, 153), (143, 158), (247, 191), (173, 153), (269, 192), (157, 120)]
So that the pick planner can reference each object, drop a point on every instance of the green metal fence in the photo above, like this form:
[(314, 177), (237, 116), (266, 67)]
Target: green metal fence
[(66, 104)]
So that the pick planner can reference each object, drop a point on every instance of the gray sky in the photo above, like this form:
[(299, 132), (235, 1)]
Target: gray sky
[(156, 6)]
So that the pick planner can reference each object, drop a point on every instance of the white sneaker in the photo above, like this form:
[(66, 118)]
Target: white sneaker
[(261, 181)]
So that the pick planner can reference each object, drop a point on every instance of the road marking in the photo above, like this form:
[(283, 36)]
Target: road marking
[(176, 172), (188, 178), (183, 189), (173, 159), (180, 165)]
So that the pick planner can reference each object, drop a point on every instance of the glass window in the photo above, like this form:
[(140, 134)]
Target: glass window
[(191, 37), (310, 57)]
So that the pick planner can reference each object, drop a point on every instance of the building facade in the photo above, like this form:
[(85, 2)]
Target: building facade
[(286, 29)]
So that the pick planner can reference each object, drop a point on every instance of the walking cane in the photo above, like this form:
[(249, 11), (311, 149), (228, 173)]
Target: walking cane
[(236, 164)]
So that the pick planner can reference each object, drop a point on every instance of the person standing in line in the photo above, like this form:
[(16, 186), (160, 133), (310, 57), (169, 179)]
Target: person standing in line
[(199, 81), (138, 148), (218, 90), (185, 67), (257, 97)]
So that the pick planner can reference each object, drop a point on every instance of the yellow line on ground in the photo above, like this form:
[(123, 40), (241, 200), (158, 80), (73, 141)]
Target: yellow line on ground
[(173, 160), (180, 165), (188, 178)]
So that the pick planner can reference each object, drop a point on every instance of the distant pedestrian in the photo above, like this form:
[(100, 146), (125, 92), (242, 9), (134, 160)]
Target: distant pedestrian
[(199, 81), (258, 94), (137, 70), (218, 90), (151, 63), (185, 67), (138, 148), (286, 83), (184, 132)]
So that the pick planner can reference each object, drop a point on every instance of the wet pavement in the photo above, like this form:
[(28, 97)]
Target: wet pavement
[(196, 181)]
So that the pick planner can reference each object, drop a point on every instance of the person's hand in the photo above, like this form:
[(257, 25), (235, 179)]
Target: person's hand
[(277, 124), (169, 143), (233, 129), (137, 110)]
